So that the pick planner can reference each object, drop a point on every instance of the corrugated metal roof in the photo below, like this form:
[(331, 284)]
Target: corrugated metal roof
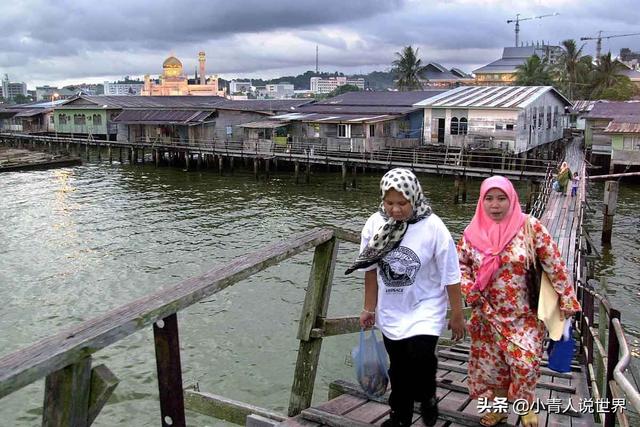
[(615, 110), (32, 112), (379, 98), (583, 106), (119, 102), (490, 97), (262, 104), (264, 124), (335, 118), (623, 127), (162, 116)]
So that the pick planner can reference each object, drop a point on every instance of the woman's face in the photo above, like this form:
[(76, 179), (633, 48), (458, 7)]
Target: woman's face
[(496, 204), (396, 206)]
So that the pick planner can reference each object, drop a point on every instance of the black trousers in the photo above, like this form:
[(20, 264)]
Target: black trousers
[(413, 366)]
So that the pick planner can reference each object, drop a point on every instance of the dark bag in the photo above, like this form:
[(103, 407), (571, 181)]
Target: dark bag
[(533, 276), (561, 353)]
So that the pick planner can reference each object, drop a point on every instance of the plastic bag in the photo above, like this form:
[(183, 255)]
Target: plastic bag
[(370, 358), (561, 352), (556, 186)]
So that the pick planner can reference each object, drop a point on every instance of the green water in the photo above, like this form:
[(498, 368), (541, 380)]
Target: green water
[(80, 241)]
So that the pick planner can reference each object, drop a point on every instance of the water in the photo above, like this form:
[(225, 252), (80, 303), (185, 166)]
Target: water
[(80, 241)]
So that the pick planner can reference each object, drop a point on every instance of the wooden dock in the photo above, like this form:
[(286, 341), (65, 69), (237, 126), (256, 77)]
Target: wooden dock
[(15, 159)]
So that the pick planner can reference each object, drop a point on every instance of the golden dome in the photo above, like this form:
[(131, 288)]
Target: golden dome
[(172, 62)]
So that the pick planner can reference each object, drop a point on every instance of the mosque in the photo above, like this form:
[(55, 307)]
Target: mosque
[(173, 81)]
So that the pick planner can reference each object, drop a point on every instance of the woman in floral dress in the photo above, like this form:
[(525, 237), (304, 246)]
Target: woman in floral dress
[(506, 335)]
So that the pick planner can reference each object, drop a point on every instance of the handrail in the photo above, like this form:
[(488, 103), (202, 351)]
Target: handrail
[(50, 354), (632, 394)]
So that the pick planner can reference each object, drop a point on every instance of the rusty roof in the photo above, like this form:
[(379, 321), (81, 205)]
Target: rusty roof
[(622, 126), (615, 110)]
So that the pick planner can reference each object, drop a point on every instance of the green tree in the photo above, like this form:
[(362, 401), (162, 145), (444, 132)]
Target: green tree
[(606, 76), (570, 70), (21, 99), (621, 91), (343, 89), (534, 72), (408, 69)]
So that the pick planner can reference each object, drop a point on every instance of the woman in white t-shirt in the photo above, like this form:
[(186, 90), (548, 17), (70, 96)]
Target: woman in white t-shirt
[(411, 272)]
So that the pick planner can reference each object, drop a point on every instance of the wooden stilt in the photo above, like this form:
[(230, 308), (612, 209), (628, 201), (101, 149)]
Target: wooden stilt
[(353, 176), (142, 155), (296, 170), (255, 168), (344, 176), (99, 153), (231, 164), (110, 153), (186, 161), (221, 165), (156, 155), (199, 163), (266, 168), (609, 207), (456, 190), (463, 183)]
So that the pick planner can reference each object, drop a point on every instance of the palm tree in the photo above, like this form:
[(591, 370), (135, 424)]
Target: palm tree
[(606, 75), (569, 68), (408, 69), (534, 72)]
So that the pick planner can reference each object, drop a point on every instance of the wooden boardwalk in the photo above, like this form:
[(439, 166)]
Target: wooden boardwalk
[(352, 408)]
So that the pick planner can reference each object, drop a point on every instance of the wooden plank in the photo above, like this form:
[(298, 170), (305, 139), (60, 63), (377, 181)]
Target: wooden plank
[(254, 420), (298, 421), (167, 344), (332, 420), (579, 381), (369, 412), (224, 408), (342, 404), (315, 306), (465, 357), (103, 382), (66, 396), (50, 354)]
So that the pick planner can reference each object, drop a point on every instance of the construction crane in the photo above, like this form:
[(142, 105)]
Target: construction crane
[(518, 19), (599, 40)]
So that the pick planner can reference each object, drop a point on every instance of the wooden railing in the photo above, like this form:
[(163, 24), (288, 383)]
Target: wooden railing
[(436, 159), (75, 392)]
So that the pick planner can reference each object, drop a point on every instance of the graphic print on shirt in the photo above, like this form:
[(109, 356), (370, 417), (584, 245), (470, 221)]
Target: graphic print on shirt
[(399, 267)]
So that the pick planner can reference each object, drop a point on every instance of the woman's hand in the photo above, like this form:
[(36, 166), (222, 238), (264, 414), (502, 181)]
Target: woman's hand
[(367, 319), (456, 325)]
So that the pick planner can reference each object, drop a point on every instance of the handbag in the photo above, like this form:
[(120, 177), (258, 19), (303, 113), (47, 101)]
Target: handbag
[(541, 292)]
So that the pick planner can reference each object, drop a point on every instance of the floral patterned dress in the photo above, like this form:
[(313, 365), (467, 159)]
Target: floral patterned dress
[(506, 335)]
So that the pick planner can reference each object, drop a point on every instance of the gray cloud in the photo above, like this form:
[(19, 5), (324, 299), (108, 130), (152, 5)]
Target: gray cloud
[(48, 42)]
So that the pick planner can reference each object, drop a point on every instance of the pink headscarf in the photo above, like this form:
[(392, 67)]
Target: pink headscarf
[(490, 237)]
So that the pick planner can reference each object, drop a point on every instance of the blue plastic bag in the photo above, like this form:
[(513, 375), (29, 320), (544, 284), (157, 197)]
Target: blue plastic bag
[(561, 353), (370, 358), (556, 186)]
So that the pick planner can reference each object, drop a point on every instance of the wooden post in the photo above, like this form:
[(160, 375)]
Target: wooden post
[(142, 155), (199, 162), (130, 155), (66, 396), (315, 306), (463, 184), (456, 192), (231, 164), (156, 157), (99, 153), (86, 150), (353, 176), (344, 176), (266, 168), (120, 155), (307, 173), (255, 168), (296, 170), (602, 337), (165, 334), (186, 160), (110, 153), (609, 207)]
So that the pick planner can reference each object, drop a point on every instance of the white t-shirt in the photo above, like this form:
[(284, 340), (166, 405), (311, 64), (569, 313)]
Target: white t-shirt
[(412, 298)]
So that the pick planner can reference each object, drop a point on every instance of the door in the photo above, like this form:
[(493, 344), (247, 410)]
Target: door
[(440, 130)]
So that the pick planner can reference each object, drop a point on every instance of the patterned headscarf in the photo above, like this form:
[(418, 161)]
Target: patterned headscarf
[(391, 233)]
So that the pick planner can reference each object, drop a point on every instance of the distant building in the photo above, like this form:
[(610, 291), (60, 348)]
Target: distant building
[(51, 93), (437, 76), (280, 90), (123, 87), (174, 82), (11, 89), (503, 71), (239, 86), (322, 85)]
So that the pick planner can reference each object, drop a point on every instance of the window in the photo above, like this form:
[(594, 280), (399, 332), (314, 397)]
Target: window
[(540, 117), (79, 119), (97, 120), (386, 129), (454, 125), (548, 117), (509, 127), (51, 119), (631, 143), (62, 119), (372, 131), (498, 126), (462, 129), (344, 131)]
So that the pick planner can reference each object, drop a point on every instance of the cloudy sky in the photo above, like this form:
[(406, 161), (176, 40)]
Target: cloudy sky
[(73, 41)]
